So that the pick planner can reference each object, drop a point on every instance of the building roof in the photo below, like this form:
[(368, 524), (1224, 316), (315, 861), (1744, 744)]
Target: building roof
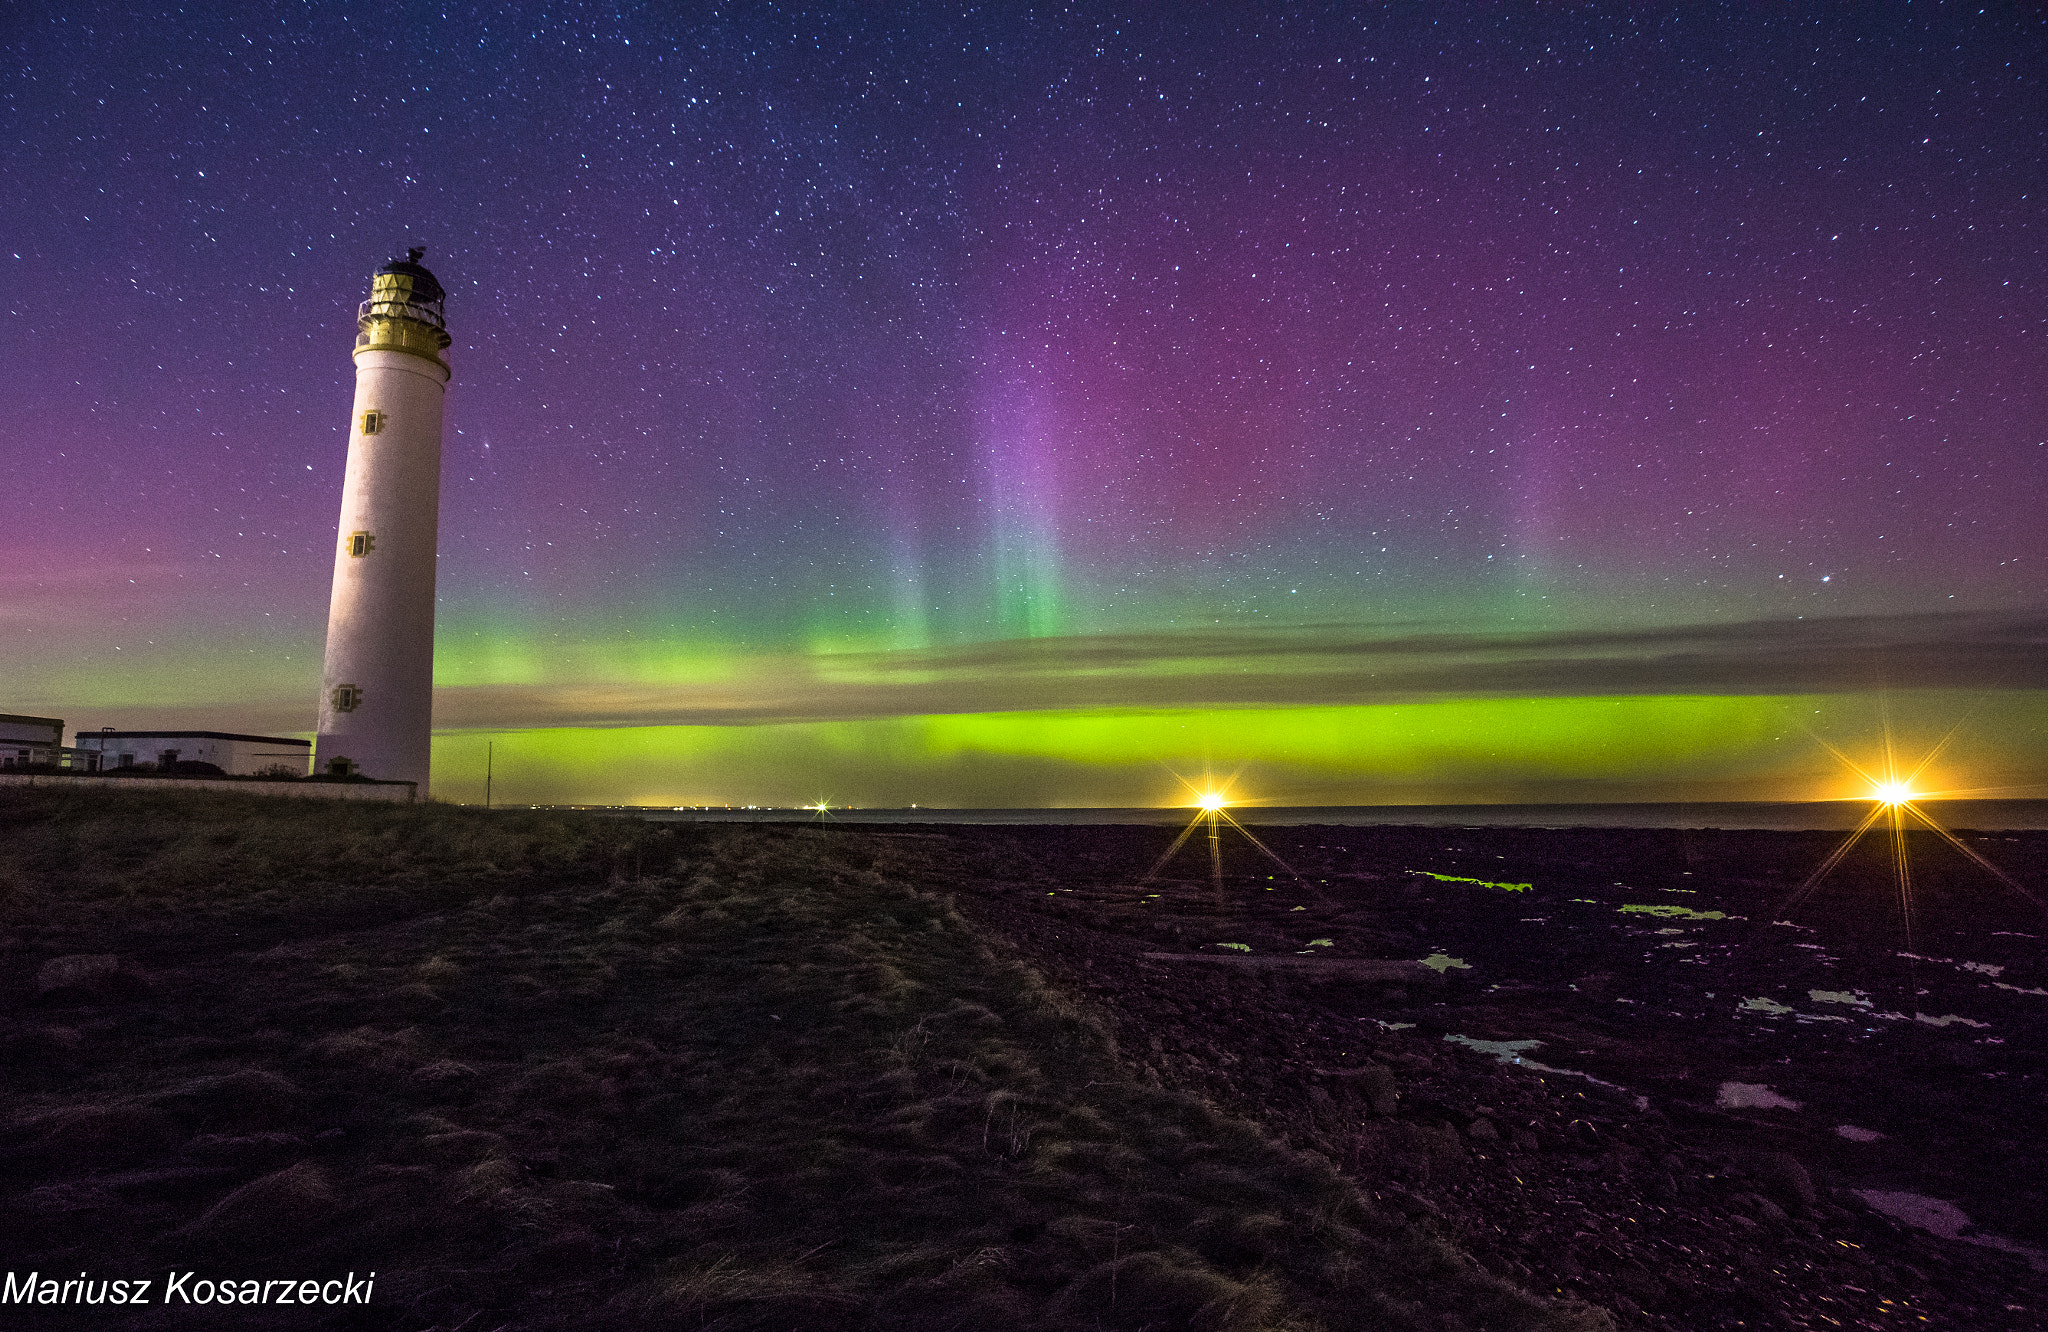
[(30, 721), (190, 735)]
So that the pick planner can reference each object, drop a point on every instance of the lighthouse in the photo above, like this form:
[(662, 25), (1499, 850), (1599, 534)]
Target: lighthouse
[(377, 687)]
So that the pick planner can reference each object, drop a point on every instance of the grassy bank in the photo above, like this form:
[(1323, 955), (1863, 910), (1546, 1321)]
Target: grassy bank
[(543, 1070)]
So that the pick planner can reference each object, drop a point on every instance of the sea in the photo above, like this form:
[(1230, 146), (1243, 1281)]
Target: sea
[(1787, 816)]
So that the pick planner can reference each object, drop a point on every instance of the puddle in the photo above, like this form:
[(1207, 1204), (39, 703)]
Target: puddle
[(2017, 990), (1483, 883), (1948, 1020), (1752, 1096), (1510, 1052), (1854, 1134), (1668, 911), (1856, 998), (1772, 1008), (1946, 1220), (1442, 962)]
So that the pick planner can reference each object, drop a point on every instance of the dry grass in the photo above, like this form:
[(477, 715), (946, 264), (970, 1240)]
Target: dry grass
[(558, 1071)]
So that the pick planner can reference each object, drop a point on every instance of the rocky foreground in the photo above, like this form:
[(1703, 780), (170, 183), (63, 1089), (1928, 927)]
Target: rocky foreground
[(549, 1071), (1639, 1073)]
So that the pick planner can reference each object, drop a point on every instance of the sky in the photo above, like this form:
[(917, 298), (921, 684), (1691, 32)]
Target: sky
[(1057, 404)]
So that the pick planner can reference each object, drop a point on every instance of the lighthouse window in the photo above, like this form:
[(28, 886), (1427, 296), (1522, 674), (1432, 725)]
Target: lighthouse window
[(361, 544), (372, 422), (347, 698)]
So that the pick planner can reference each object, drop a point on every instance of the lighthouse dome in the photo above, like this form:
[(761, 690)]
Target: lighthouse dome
[(404, 312), (425, 287)]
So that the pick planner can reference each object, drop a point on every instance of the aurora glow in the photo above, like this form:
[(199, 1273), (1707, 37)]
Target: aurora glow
[(1019, 408)]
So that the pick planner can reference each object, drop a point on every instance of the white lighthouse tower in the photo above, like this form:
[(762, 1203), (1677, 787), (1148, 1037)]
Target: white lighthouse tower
[(377, 689)]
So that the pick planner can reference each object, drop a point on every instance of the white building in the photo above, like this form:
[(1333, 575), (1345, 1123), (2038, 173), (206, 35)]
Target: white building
[(235, 755), (26, 740)]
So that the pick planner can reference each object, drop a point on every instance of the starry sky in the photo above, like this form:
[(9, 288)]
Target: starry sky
[(1044, 404)]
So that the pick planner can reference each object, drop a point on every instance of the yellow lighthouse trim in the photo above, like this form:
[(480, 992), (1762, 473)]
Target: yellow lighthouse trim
[(391, 320)]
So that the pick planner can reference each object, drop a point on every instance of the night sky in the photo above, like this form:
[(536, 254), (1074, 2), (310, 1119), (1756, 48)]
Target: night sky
[(1025, 405)]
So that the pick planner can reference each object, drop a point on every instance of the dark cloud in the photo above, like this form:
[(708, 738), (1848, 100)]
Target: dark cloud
[(1312, 667)]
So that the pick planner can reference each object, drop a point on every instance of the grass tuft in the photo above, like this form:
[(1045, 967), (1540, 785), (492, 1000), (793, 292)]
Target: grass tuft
[(543, 1070)]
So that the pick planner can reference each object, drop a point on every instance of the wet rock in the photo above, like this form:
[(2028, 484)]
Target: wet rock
[(89, 978), (1482, 1130), (1638, 1281), (1371, 1084), (1784, 1179), (1375, 1085)]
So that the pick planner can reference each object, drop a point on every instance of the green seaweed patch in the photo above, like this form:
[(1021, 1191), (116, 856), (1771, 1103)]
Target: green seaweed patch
[(1672, 912), (1242, 948), (1483, 883)]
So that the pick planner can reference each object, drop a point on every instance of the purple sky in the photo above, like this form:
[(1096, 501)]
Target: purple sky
[(788, 333)]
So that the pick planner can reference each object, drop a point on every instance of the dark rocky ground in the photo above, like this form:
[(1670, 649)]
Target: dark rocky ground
[(541, 1071), (547, 1071), (1628, 1181)]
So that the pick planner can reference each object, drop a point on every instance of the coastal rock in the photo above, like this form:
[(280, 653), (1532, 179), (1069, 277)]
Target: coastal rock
[(1375, 1085), (1785, 1179)]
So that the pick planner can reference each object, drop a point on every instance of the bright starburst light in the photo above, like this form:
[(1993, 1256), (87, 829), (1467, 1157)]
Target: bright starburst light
[(1212, 811), (1894, 801)]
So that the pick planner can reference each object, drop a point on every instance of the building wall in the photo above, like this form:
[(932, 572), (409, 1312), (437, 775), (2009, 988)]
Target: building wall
[(26, 740), (34, 730), (239, 757), (397, 792)]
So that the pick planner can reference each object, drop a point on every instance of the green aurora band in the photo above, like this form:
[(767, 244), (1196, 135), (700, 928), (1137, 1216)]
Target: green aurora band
[(1662, 747)]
